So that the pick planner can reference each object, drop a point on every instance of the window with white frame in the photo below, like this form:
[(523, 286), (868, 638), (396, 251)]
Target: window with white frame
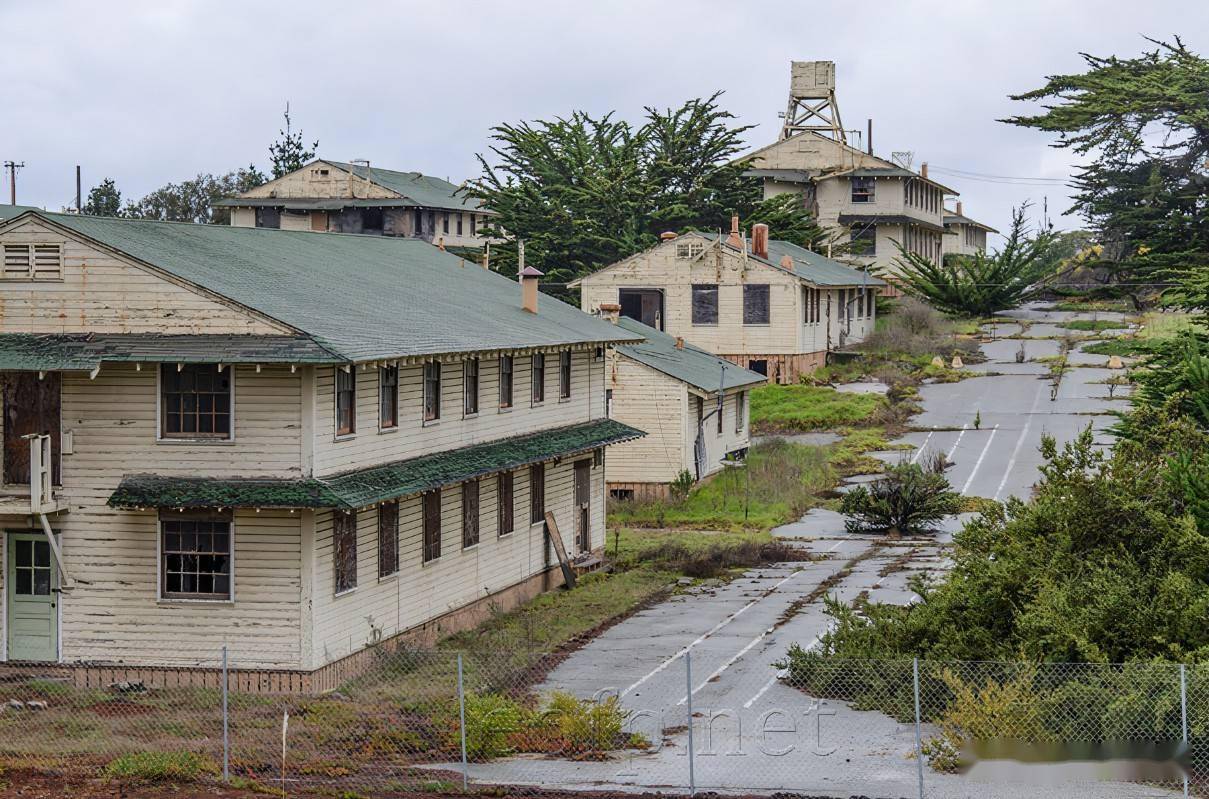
[(470, 386), (686, 250), (195, 401), (195, 555), (432, 391)]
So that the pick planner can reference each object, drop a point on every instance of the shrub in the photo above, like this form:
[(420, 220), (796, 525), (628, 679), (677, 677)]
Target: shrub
[(160, 766), (909, 499), (586, 726), (1010, 708), (682, 485), (491, 719)]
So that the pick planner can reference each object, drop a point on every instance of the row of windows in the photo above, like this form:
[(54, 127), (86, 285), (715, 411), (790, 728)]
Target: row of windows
[(388, 389), (923, 195), (924, 243), (975, 237), (740, 412), (852, 304), (344, 525), (756, 309)]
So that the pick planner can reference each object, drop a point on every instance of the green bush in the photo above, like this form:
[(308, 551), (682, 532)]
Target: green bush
[(160, 767), (909, 499), (491, 720), (588, 727)]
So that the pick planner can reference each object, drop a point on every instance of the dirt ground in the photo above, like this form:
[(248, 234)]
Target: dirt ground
[(32, 785)]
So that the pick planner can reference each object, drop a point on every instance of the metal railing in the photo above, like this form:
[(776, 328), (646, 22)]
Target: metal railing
[(441, 721)]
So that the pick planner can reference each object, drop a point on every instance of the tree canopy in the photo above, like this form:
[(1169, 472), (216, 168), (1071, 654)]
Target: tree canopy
[(585, 191), (290, 152), (1143, 123)]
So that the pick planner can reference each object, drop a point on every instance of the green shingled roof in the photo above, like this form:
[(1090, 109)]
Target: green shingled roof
[(376, 484), (698, 368), (422, 190), (84, 352), (360, 297), (9, 211)]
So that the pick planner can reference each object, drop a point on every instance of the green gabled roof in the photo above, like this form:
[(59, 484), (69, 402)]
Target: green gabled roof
[(422, 190), (364, 487), (362, 298), (9, 211), (696, 367), (84, 352)]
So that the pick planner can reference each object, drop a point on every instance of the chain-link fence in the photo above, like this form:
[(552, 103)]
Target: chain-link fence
[(444, 722)]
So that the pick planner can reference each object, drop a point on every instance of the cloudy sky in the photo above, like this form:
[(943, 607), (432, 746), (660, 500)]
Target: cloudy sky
[(148, 93)]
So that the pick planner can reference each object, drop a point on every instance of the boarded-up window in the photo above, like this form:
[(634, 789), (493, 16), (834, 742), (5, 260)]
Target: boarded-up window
[(506, 365), (432, 525), (432, 391), (344, 550), (388, 397), (33, 262), (195, 401), (755, 304), (388, 538), (470, 514), (195, 555), (740, 410), (346, 402), (539, 378), (470, 386), (564, 374), (504, 488), (537, 493), (705, 305)]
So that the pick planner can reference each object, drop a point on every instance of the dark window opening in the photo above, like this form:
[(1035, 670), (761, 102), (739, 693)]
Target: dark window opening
[(505, 489), (344, 550), (195, 556), (539, 378), (863, 239), (863, 189), (755, 304), (644, 305), (621, 494), (564, 374), (346, 402), (196, 401), (388, 539), (371, 220), (470, 514), (759, 366), (32, 406), (388, 397), (537, 493), (470, 386), (268, 217), (705, 305), (432, 525), (432, 391), (506, 365)]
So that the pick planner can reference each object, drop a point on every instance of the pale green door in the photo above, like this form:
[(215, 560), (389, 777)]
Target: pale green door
[(30, 582)]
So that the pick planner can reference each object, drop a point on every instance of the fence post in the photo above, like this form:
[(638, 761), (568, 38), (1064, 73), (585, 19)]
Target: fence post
[(688, 681), (1184, 721), (226, 717), (919, 750), (462, 722)]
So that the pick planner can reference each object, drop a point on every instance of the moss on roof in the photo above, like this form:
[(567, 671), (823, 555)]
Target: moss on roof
[(84, 352), (364, 487)]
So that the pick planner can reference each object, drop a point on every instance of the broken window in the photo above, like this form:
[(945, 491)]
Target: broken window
[(863, 189), (268, 217), (564, 374), (388, 538), (539, 378), (537, 493), (705, 304), (470, 386), (470, 514), (755, 304), (195, 555), (459, 224), (346, 402), (504, 488), (432, 525), (432, 391), (506, 365), (388, 397), (687, 250), (32, 406), (371, 219), (195, 401), (863, 239), (344, 550)]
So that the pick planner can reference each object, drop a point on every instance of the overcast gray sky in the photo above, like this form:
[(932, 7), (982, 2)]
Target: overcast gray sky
[(148, 93)]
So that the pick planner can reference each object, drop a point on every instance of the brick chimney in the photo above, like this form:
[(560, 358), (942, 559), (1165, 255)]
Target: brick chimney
[(667, 235), (759, 240), (529, 277), (734, 239), (787, 262), (610, 311), (923, 170), (959, 213)]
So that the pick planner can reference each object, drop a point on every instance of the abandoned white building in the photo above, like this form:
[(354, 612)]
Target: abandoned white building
[(693, 405), (964, 236), (357, 198), (211, 436), (873, 203), (769, 306)]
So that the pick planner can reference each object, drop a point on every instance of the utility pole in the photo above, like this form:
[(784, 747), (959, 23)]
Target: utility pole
[(12, 167)]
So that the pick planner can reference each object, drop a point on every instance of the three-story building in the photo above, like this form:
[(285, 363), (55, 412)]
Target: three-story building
[(298, 445)]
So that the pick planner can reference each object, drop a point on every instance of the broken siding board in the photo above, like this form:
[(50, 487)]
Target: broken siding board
[(102, 293)]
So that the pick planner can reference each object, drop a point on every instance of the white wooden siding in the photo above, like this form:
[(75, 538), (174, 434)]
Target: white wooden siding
[(651, 401), (102, 293)]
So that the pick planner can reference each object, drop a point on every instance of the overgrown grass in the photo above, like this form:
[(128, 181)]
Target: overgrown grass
[(1094, 325), (780, 481), (799, 408), (1165, 324), (1117, 346), (697, 553), (1091, 305), (160, 767)]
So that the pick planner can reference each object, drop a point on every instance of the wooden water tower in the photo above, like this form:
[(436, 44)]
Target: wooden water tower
[(812, 104)]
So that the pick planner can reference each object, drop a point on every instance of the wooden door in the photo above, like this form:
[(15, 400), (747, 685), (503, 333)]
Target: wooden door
[(31, 406), (31, 582), (583, 505)]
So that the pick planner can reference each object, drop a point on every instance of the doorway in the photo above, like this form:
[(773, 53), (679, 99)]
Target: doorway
[(31, 593), (583, 506), (644, 305)]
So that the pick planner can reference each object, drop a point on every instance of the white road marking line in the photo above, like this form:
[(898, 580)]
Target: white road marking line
[(711, 631), (1019, 443), (718, 671), (780, 673), (957, 442), (922, 446), (981, 457)]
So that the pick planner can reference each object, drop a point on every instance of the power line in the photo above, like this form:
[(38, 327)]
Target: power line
[(964, 173)]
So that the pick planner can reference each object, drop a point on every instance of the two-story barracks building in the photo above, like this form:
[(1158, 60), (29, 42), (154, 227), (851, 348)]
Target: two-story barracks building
[(295, 444)]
